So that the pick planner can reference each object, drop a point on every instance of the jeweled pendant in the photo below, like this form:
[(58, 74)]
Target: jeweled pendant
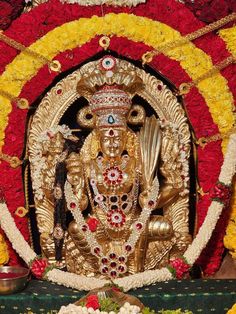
[(111, 120)]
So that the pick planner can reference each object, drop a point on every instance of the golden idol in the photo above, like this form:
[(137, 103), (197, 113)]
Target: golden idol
[(111, 199)]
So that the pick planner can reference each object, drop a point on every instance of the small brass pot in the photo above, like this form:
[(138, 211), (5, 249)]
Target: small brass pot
[(16, 283)]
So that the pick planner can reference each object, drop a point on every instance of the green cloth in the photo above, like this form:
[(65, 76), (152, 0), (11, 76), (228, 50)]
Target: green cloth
[(199, 296)]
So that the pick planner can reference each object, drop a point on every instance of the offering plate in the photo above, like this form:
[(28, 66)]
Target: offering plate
[(13, 279)]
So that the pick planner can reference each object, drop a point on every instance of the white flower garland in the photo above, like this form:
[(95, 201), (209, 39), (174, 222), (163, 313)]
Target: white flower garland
[(228, 169), (119, 3), (72, 280), (38, 161), (15, 237)]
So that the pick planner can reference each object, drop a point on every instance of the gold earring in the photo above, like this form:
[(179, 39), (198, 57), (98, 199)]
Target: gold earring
[(94, 146)]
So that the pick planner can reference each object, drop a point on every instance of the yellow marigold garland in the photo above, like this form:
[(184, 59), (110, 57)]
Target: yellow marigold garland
[(140, 29), (4, 256), (229, 36), (232, 310)]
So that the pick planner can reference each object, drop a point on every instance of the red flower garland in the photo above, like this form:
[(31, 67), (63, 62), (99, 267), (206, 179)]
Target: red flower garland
[(211, 10), (49, 15), (9, 11)]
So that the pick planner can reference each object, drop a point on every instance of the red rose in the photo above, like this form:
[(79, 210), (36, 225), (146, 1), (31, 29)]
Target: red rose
[(180, 266), (92, 223), (93, 302), (38, 267), (221, 193)]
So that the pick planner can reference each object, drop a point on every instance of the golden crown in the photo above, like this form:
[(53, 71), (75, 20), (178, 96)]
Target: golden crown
[(111, 106)]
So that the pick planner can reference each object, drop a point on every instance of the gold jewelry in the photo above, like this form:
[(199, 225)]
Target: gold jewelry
[(148, 56), (136, 115), (106, 261), (54, 65), (131, 144), (203, 141), (94, 146), (22, 103), (104, 42), (186, 87), (86, 118), (14, 161), (21, 211)]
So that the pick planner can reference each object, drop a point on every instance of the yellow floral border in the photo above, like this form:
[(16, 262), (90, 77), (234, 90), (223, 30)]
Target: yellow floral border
[(139, 29), (229, 36), (4, 255)]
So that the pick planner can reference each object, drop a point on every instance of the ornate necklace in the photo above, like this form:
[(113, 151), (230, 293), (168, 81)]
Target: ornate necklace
[(113, 175), (111, 264), (116, 217)]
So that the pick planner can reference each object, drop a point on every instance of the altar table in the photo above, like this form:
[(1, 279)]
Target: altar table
[(199, 296)]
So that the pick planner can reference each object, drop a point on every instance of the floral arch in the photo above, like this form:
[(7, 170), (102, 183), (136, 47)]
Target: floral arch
[(70, 35)]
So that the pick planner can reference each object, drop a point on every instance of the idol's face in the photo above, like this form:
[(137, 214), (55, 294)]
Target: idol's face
[(112, 142)]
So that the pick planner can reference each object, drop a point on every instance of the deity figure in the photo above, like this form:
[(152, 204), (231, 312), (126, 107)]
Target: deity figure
[(124, 186), (114, 178)]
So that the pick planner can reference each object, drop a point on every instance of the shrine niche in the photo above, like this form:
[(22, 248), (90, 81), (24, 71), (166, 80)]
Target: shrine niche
[(117, 135), (120, 168)]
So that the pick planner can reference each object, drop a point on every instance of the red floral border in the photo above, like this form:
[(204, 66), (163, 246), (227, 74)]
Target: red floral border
[(50, 15)]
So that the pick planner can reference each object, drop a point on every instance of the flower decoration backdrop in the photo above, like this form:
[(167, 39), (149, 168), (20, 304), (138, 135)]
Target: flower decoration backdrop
[(70, 33)]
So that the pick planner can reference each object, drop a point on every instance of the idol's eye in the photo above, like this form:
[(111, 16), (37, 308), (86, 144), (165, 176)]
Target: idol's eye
[(105, 139), (117, 138)]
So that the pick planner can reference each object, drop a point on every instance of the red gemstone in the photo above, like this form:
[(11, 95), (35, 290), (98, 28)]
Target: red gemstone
[(72, 205), (97, 250), (59, 91), (113, 182), (139, 225), (104, 270), (116, 217), (112, 255), (111, 132), (104, 260), (151, 203), (113, 273), (117, 225), (121, 259), (113, 174), (128, 248), (121, 269), (84, 228), (159, 87), (113, 264)]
